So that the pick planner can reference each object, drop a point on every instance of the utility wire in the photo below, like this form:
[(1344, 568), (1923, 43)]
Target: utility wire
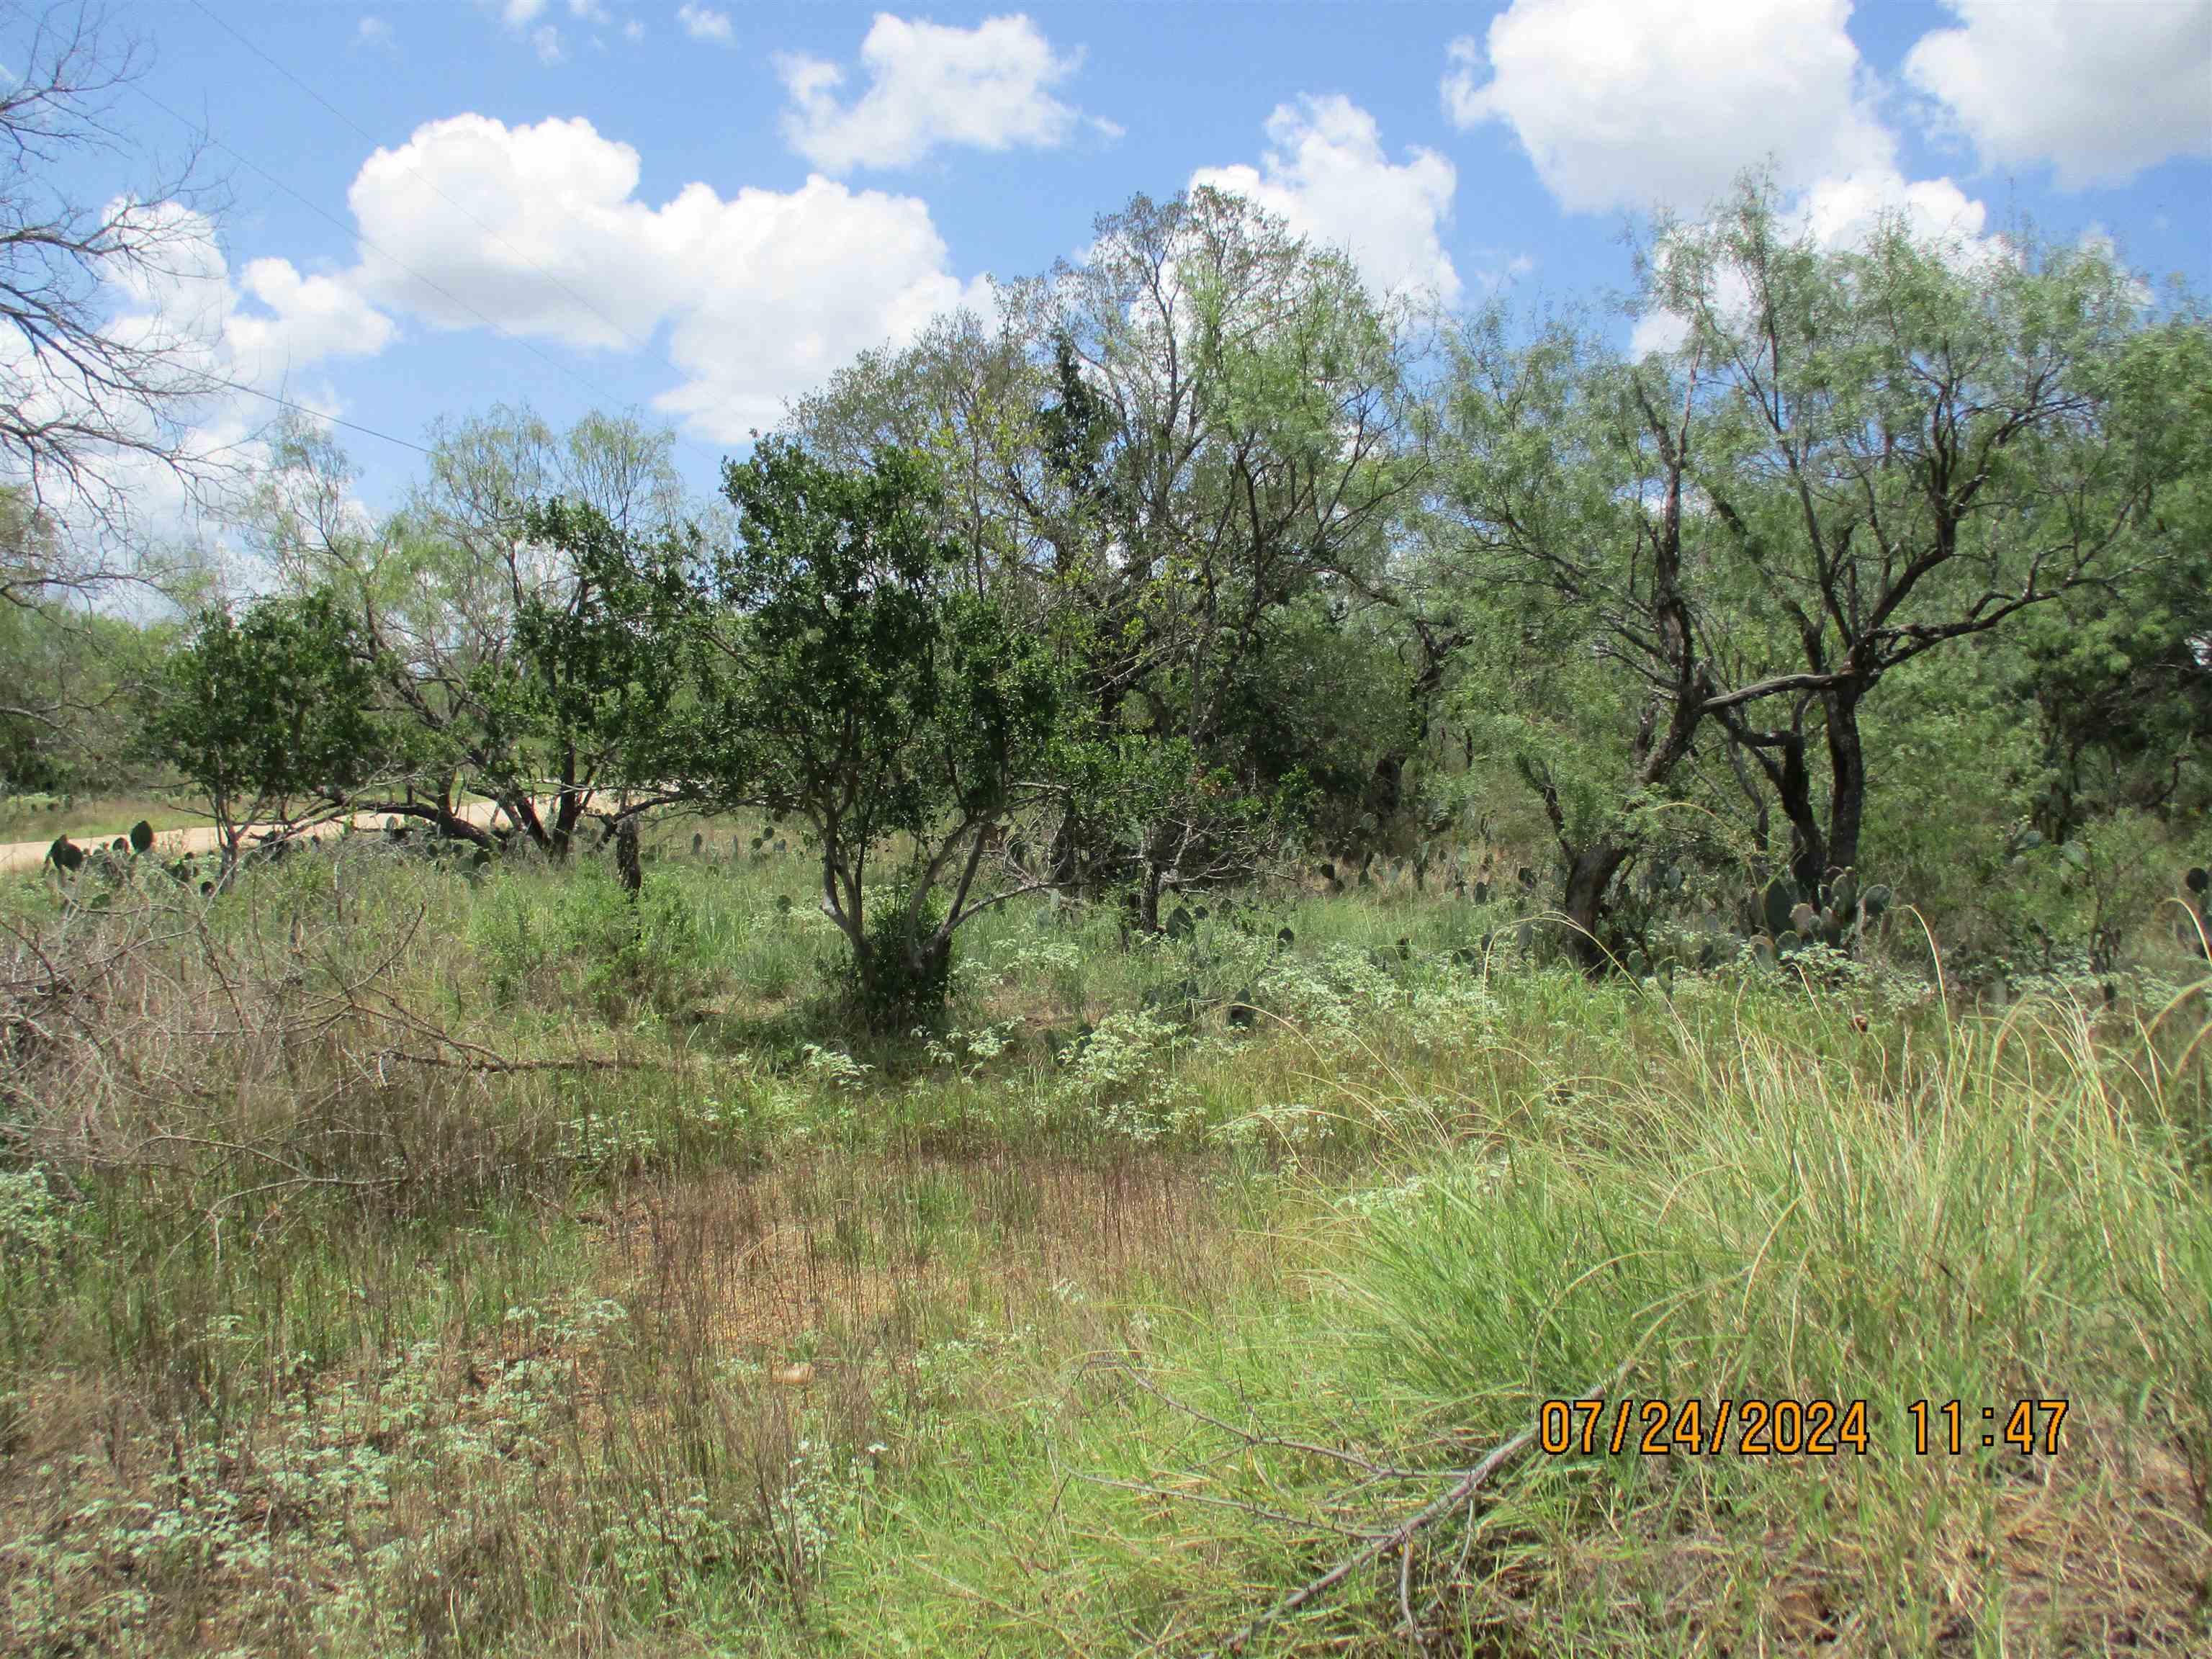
[(414, 170), (334, 420), (324, 213)]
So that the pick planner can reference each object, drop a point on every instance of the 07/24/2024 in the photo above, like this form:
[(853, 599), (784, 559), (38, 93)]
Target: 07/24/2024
[(1787, 1428)]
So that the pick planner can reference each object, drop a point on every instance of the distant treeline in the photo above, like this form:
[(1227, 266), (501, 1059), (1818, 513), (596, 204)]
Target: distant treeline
[(1197, 561)]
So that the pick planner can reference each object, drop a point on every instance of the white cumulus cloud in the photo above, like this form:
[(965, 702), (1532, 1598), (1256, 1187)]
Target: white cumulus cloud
[(2098, 92), (704, 23), (222, 340), (186, 298), (763, 293), (990, 87), (1638, 104), (1326, 173), (1843, 213)]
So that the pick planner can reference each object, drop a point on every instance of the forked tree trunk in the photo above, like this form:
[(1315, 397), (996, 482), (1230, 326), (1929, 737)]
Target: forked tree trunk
[(1589, 879)]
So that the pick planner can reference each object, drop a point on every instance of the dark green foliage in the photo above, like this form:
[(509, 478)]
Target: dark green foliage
[(599, 668), (900, 979), (835, 664), (269, 712)]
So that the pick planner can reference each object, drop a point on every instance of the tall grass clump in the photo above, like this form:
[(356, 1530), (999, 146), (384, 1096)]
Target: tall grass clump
[(1733, 1199)]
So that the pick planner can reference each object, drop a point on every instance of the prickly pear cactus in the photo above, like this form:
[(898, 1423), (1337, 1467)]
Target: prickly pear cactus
[(1836, 915), (1776, 905)]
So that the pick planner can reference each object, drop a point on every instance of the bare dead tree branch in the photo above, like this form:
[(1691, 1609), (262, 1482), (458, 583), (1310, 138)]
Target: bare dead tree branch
[(90, 397)]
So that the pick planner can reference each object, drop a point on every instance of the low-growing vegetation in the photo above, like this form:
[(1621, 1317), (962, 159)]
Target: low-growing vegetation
[(404, 1255)]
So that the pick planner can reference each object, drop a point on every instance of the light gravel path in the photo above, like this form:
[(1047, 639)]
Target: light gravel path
[(201, 838)]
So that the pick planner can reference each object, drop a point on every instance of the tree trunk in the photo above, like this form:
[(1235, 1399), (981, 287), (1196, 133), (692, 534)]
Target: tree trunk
[(627, 857), (1148, 897), (1589, 879), (568, 810), (1808, 847), (1847, 774)]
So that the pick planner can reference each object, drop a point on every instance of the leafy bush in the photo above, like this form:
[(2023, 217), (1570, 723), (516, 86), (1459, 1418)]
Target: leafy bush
[(642, 950), (903, 978)]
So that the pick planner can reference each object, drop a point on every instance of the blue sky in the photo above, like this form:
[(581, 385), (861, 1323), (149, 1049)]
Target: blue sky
[(434, 205)]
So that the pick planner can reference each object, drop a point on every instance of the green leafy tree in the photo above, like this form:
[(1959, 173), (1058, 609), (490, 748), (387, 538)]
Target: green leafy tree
[(1560, 557), (1910, 443), (1226, 449), (841, 671), (269, 713), (439, 591), (70, 673), (598, 668), (1179, 457)]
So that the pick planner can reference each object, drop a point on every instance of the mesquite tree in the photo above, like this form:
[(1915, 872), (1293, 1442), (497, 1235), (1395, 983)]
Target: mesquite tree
[(1909, 441), (268, 714), (841, 672), (1561, 551)]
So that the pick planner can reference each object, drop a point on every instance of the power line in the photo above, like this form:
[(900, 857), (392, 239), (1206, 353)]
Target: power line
[(324, 213), (334, 420), (414, 170)]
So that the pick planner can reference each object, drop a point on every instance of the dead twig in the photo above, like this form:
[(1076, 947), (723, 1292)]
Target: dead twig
[(1401, 1536), (1253, 1437), (1257, 1511), (495, 1063)]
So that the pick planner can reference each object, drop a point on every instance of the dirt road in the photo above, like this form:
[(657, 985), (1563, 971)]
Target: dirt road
[(201, 838)]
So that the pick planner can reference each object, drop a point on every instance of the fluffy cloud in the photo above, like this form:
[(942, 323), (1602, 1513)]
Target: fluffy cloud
[(702, 23), (928, 85), (184, 299), (1326, 173), (221, 342), (303, 320), (764, 293), (1644, 103), (1840, 212), (2100, 96), (373, 32)]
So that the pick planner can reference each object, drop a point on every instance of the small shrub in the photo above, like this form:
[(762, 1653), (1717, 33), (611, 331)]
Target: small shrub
[(902, 980)]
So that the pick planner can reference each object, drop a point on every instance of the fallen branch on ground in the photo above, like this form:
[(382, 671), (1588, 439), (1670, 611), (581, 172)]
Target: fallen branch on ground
[(1401, 1537)]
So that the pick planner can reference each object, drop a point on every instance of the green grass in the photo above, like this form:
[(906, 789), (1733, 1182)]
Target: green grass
[(400, 1260)]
